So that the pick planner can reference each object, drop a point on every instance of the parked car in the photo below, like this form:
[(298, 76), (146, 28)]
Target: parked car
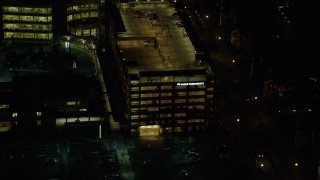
[(148, 43)]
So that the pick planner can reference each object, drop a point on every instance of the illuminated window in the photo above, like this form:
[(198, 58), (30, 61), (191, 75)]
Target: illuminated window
[(195, 120), (38, 113), (181, 121), (197, 93), (79, 32), (10, 9), (94, 6), (4, 106), (10, 17), (209, 89), (177, 129), (14, 115), (148, 88), (147, 102), (209, 96), (76, 16), (8, 35), (180, 101), (134, 109), (165, 101), (93, 32), (180, 115), (134, 124), (69, 18), (38, 122), (5, 126), (134, 102), (134, 88), (165, 115), (93, 14), (200, 107), (83, 109), (166, 87), (10, 26), (85, 15), (134, 95), (134, 82), (71, 103), (86, 32), (197, 100), (143, 123), (153, 109), (150, 95), (166, 94), (180, 87), (135, 117), (144, 116), (182, 93)]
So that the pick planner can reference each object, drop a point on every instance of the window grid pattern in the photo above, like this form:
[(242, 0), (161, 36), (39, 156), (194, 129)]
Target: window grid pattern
[(27, 22), (177, 107)]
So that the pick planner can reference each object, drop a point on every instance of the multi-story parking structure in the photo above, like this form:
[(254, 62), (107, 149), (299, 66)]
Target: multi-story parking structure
[(165, 87)]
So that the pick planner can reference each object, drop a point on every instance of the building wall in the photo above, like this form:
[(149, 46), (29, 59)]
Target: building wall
[(49, 19), (27, 22), (83, 17), (174, 104)]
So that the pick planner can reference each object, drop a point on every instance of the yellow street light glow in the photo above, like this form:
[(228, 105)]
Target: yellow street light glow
[(233, 60), (207, 16), (296, 164)]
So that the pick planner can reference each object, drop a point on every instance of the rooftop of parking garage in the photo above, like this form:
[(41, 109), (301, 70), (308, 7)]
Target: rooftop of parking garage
[(155, 42)]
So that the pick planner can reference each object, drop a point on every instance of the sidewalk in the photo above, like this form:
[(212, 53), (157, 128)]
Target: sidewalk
[(125, 164)]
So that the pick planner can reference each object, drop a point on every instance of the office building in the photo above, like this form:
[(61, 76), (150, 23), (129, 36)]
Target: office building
[(48, 19)]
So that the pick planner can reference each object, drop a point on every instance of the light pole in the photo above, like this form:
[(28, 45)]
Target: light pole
[(67, 44)]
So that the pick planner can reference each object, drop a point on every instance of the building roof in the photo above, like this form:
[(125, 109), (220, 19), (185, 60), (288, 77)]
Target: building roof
[(171, 51)]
